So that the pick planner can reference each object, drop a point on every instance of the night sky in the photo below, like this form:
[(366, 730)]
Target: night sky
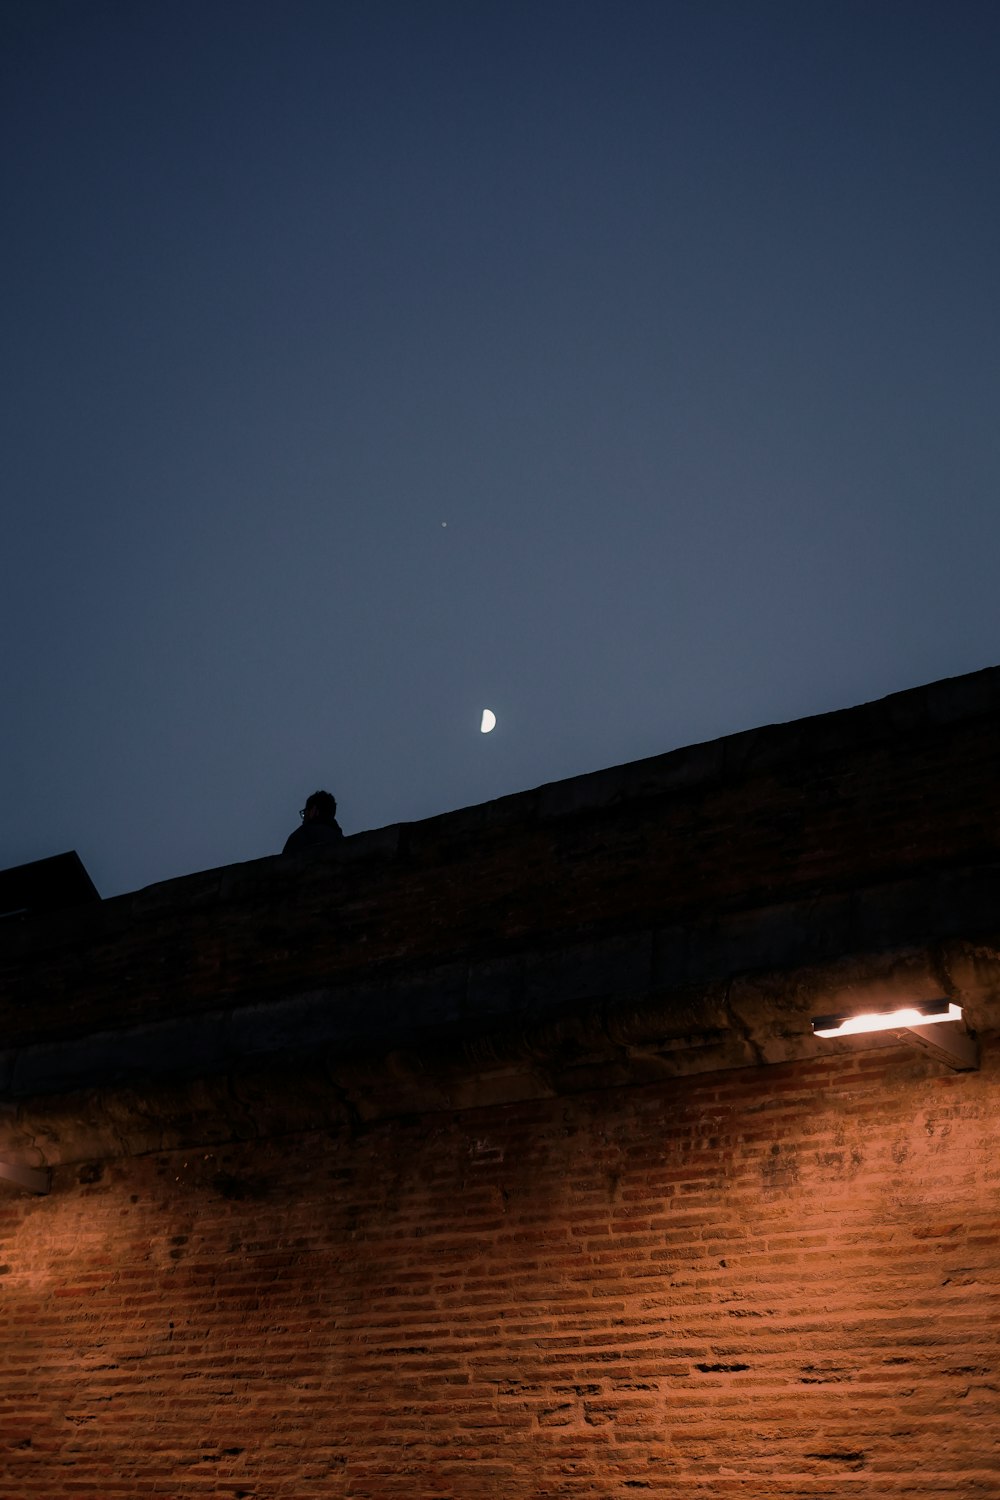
[(627, 368)]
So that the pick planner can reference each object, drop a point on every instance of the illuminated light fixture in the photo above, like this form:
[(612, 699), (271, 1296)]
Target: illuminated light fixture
[(35, 1179), (918, 1023), (924, 1013)]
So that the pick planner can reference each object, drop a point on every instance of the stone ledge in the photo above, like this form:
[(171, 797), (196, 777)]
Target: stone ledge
[(392, 1007), (753, 1022)]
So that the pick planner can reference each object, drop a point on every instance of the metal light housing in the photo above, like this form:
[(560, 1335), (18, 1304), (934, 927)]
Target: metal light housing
[(937, 1026)]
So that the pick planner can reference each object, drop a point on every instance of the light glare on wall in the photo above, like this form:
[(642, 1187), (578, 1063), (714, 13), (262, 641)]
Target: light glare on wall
[(35, 1179)]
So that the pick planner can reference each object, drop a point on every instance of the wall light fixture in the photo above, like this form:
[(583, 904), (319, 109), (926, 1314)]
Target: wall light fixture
[(937, 1026)]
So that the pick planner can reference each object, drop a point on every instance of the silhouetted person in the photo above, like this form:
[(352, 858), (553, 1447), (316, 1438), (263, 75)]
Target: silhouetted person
[(319, 824)]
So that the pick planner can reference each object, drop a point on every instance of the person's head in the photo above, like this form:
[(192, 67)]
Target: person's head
[(321, 807)]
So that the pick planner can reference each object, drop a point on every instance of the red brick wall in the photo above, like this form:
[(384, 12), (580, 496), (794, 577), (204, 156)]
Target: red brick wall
[(772, 1282)]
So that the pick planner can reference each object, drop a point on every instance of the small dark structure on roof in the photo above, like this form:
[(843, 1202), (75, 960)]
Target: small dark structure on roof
[(51, 884)]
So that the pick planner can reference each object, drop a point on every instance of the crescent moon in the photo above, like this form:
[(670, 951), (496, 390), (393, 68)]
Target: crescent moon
[(489, 721)]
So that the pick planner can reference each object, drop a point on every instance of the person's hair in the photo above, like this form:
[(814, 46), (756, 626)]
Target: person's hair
[(325, 802)]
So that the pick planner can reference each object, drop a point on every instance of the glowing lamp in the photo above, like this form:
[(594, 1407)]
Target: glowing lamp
[(923, 1013), (936, 1026)]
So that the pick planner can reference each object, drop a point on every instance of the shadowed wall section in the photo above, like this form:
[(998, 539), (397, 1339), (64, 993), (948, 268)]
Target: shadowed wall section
[(494, 1156)]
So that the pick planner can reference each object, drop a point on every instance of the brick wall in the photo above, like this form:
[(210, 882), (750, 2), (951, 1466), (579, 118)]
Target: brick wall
[(760, 1282)]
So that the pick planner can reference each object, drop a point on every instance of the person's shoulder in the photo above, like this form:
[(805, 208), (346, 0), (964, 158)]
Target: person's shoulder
[(294, 841), (311, 836)]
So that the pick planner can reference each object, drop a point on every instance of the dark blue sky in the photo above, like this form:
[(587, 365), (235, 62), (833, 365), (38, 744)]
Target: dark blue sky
[(682, 315)]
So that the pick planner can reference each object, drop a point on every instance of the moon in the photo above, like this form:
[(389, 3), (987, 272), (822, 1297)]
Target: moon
[(489, 721)]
